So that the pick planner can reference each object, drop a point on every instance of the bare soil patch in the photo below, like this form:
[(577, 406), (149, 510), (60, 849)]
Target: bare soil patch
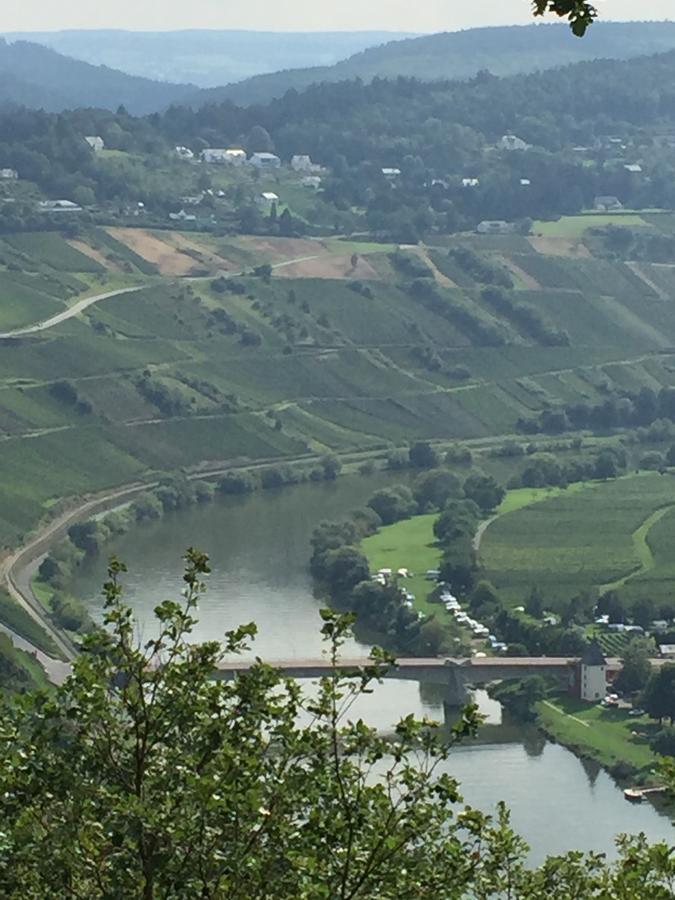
[(277, 249), (96, 255), (560, 246), (530, 283), (200, 253), (329, 266), (168, 259)]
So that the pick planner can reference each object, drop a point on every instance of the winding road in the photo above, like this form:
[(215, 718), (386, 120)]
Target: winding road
[(66, 314), (86, 302)]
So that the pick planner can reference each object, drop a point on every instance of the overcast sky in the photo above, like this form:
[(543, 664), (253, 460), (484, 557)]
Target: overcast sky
[(291, 15)]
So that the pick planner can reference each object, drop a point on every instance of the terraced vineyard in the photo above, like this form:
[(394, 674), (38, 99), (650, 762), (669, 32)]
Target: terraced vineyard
[(586, 539), (338, 350)]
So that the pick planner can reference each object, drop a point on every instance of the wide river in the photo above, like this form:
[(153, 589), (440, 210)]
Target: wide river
[(259, 549)]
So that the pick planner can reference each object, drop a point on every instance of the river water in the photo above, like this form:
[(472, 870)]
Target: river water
[(259, 549)]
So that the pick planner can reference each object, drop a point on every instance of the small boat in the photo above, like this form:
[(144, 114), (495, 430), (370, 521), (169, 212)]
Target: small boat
[(634, 795)]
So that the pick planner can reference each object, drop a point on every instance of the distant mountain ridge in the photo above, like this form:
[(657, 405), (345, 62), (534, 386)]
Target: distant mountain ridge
[(39, 77), (207, 58), (35, 76), (461, 54)]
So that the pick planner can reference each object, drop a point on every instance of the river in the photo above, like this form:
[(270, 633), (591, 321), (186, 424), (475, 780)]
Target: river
[(259, 549)]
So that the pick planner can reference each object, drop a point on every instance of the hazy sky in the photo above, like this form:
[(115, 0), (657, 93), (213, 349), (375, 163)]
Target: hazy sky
[(306, 15)]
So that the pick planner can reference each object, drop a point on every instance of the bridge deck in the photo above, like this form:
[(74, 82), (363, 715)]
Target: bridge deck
[(429, 663)]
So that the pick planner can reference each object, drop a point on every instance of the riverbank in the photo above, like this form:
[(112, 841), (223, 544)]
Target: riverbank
[(610, 736)]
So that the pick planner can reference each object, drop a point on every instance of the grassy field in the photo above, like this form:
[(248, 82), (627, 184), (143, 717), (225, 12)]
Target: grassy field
[(411, 545), (578, 540), (574, 226), (23, 624), (610, 736)]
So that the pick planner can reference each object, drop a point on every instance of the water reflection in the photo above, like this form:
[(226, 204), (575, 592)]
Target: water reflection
[(259, 547)]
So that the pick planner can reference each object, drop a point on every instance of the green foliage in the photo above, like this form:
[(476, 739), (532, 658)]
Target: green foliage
[(484, 491), (237, 483), (435, 487), (658, 698), (393, 503), (22, 623), (580, 13), (637, 667), (520, 697), (423, 456)]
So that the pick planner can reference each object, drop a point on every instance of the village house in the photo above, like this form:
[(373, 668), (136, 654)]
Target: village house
[(235, 156), (182, 216), (267, 200), (470, 182), (633, 168), (223, 156), (311, 181), (607, 204), (184, 153), (95, 142), (303, 163), (525, 182), (512, 142), (9, 174), (391, 173), (264, 161), (58, 206), (495, 227)]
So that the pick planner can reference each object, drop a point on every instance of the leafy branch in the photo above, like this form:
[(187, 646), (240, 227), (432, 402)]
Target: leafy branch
[(579, 12)]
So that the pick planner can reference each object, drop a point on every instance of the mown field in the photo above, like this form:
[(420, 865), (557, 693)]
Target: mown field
[(610, 736), (590, 538)]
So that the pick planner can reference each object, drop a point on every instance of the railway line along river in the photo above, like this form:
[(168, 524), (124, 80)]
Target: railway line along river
[(259, 549)]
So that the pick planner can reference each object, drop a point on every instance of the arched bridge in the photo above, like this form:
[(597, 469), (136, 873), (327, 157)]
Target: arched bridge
[(457, 675)]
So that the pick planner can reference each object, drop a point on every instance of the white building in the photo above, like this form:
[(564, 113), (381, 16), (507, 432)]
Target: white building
[(265, 161), (495, 227), (182, 216), (95, 142), (235, 156), (634, 168), (607, 204), (302, 163), (223, 156), (59, 206), (470, 182), (311, 181), (512, 142), (184, 153), (266, 200), (592, 674), (9, 174), (391, 173)]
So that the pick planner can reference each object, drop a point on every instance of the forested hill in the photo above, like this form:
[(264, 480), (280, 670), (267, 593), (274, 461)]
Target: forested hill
[(452, 55), (593, 129), (35, 76), (207, 57)]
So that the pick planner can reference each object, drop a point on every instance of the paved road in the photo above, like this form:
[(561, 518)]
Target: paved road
[(86, 302), (73, 310)]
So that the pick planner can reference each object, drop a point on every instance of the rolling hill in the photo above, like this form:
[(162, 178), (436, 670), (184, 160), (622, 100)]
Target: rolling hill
[(203, 57), (35, 76), (459, 55)]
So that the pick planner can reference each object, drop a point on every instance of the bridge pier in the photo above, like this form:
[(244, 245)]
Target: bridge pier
[(456, 692)]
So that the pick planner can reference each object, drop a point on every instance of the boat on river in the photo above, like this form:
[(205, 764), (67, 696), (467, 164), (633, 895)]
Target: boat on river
[(637, 795)]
